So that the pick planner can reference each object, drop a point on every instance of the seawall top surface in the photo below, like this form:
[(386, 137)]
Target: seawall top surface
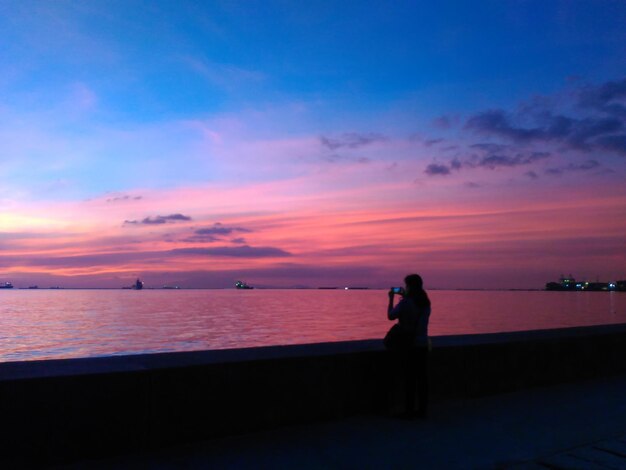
[(145, 362)]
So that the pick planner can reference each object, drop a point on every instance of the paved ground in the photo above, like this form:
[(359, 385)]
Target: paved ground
[(581, 425)]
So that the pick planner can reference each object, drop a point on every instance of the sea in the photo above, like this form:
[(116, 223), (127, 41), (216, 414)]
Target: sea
[(52, 324)]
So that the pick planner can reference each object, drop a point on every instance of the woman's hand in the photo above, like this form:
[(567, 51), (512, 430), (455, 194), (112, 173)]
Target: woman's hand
[(390, 306)]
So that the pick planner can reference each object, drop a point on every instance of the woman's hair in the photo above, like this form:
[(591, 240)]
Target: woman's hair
[(414, 281)]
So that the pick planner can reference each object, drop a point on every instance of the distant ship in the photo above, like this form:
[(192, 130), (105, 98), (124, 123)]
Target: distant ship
[(138, 285), (242, 285), (6, 285), (569, 284)]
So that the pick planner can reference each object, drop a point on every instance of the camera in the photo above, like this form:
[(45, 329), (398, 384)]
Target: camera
[(397, 290)]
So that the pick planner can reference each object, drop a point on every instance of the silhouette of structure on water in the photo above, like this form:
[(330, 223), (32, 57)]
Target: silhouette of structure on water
[(571, 285)]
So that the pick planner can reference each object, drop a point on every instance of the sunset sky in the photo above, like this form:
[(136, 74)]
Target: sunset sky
[(480, 144)]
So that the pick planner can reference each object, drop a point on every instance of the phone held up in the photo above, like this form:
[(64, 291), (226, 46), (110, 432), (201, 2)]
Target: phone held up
[(397, 290)]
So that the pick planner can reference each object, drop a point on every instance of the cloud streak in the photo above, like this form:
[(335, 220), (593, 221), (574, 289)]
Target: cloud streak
[(213, 234), (243, 251), (140, 258), (352, 140), (123, 198), (159, 220), (219, 229)]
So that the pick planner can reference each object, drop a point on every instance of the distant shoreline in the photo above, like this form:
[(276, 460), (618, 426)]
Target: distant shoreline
[(462, 289)]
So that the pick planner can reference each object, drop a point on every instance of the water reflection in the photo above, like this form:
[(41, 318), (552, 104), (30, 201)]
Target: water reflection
[(38, 324)]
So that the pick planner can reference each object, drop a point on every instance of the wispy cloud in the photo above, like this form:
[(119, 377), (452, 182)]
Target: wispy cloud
[(227, 76), (244, 251), (123, 198), (159, 219), (585, 166), (213, 234), (351, 140), (501, 157), (220, 229)]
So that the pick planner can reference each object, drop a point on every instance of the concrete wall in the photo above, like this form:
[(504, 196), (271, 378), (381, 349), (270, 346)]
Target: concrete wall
[(60, 410)]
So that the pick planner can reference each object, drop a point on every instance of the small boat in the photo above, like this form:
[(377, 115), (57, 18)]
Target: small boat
[(6, 285), (242, 285), (138, 285)]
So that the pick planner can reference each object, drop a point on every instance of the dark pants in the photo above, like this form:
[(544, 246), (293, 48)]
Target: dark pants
[(416, 379)]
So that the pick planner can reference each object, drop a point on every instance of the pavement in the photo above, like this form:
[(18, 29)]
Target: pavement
[(575, 425)]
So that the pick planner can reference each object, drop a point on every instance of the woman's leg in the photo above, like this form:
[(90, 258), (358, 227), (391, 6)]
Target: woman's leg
[(410, 376), (422, 380)]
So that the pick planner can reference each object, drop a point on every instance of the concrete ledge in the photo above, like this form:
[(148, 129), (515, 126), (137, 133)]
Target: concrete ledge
[(61, 410)]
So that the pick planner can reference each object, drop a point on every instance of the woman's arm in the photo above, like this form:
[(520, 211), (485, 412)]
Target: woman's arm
[(391, 314)]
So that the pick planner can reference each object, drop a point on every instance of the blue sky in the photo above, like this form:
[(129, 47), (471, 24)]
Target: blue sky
[(439, 107), (152, 60)]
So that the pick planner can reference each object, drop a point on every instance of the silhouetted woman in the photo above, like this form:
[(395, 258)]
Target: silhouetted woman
[(408, 341)]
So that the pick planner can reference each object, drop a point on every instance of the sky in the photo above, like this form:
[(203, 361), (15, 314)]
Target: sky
[(481, 144)]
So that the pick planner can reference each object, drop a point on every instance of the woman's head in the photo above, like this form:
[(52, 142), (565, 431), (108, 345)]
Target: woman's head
[(413, 283), (415, 290)]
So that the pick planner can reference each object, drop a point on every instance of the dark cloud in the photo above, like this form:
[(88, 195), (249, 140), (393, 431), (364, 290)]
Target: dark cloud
[(472, 184), (159, 219), (488, 157), (609, 97), (588, 165), (496, 122), (219, 229), (582, 132), (597, 126), (585, 166), (214, 233), (489, 147), (351, 140), (201, 239), (613, 143), (493, 161), (244, 251), (594, 125), (456, 164), (437, 169)]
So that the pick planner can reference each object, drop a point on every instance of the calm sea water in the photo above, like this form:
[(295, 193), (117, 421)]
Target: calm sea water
[(43, 324)]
